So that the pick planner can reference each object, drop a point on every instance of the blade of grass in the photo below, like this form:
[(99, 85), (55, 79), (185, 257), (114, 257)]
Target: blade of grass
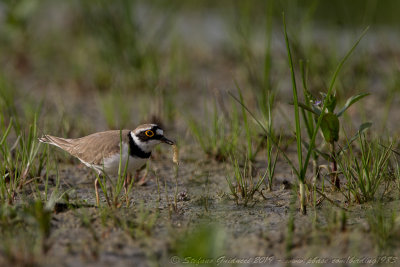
[(296, 104)]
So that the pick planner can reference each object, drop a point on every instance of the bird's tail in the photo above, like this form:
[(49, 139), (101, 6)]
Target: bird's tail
[(56, 141)]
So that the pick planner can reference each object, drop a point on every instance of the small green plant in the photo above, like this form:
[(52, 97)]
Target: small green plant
[(367, 171), (330, 124), (242, 185)]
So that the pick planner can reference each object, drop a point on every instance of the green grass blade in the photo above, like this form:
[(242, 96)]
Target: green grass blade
[(295, 102), (6, 132)]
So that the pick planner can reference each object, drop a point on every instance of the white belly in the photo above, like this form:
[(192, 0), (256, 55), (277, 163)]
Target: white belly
[(111, 164)]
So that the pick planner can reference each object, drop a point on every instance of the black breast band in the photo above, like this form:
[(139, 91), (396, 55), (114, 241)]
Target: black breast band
[(135, 150)]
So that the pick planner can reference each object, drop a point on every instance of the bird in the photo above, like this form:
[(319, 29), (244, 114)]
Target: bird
[(101, 151)]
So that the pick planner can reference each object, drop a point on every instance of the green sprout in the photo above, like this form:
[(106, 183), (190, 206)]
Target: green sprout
[(330, 125)]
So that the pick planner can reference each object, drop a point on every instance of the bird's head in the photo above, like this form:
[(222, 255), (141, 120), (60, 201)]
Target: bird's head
[(147, 136)]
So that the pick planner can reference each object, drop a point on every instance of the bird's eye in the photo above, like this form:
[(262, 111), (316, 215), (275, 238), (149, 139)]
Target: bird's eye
[(149, 133)]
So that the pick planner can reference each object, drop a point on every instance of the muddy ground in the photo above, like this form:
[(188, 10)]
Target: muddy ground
[(85, 235)]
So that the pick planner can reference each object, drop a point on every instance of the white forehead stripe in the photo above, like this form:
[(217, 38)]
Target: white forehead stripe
[(143, 129), (158, 131)]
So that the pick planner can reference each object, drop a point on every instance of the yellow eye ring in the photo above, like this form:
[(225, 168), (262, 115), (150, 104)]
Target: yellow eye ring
[(149, 133)]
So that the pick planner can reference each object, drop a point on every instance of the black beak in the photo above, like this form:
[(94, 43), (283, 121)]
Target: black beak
[(166, 140)]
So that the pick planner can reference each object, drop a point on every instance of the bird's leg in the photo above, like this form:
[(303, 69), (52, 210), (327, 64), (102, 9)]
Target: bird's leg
[(143, 179), (96, 183)]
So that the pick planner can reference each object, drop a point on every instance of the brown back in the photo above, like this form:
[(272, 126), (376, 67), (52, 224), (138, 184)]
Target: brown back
[(95, 147)]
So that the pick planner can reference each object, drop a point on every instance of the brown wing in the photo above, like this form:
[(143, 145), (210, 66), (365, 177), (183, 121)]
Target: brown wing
[(92, 148), (95, 147)]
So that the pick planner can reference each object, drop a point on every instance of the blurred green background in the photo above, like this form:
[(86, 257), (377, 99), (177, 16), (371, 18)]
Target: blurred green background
[(91, 65)]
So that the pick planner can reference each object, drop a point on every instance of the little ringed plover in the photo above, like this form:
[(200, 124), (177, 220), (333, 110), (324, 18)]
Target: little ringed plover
[(101, 151)]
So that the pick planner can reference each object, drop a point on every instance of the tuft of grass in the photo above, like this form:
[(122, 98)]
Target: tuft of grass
[(243, 186), (367, 171), (22, 162)]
